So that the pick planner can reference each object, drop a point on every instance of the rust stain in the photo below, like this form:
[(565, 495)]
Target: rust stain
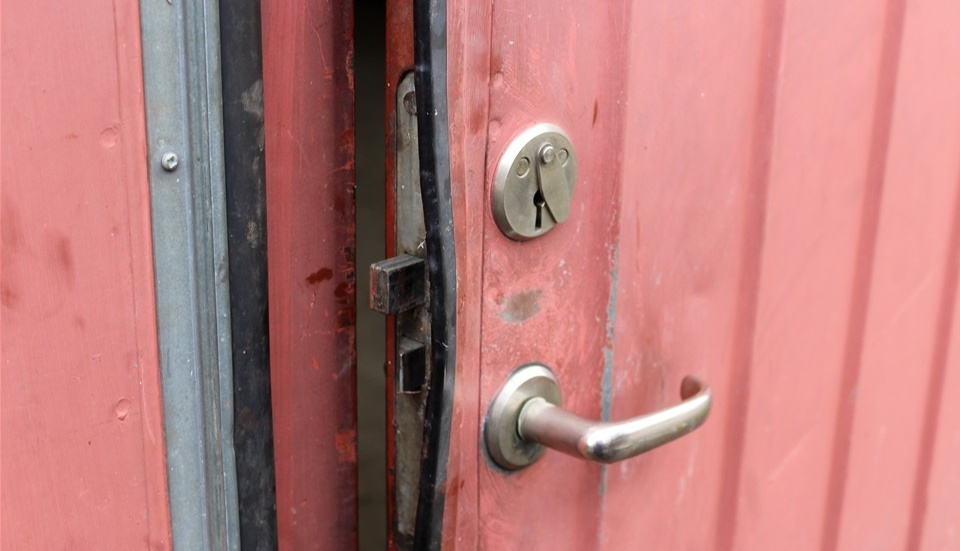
[(344, 290), (346, 443), (521, 306), (596, 110), (345, 319), (321, 275)]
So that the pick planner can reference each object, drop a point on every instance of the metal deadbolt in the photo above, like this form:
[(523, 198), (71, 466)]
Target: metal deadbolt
[(534, 182)]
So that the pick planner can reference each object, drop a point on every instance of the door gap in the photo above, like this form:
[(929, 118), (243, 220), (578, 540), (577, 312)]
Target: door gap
[(369, 74)]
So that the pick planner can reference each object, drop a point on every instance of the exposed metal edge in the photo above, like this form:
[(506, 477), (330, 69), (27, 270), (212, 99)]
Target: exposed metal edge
[(430, 56), (181, 60)]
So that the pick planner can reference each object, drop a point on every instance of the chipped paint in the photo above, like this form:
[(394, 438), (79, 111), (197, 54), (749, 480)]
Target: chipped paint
[(606, 382), (346, 444)]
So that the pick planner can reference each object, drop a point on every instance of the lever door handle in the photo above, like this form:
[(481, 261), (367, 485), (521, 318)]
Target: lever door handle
[(526, 417)]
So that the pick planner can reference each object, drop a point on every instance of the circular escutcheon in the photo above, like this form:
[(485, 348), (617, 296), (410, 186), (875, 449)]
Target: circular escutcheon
[(518, 207), (500, 431)]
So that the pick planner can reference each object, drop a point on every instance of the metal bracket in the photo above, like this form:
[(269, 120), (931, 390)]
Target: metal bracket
[(184, 113), (400, 287)]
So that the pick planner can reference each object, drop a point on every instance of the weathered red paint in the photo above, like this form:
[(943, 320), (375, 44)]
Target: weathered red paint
[(570, 269), (912, 289), (83, 454), (309, 133), (468, 100), (769, 198), (939, 498)]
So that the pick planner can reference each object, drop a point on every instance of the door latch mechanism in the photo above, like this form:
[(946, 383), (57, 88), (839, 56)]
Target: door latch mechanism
[(400, 288)]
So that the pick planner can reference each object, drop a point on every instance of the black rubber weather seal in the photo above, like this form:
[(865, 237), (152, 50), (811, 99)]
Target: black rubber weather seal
[(244, 168), (430, 58)]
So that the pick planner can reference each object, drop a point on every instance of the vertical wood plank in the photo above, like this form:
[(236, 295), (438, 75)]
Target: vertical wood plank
[(309, 133), (468, 105), (938, 519), (808, 275), (692, 205), (912, 278), (546, 300), (83, 455)]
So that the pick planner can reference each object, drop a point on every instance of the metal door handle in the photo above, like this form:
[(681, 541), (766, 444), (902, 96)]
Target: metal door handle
[(526, 416)]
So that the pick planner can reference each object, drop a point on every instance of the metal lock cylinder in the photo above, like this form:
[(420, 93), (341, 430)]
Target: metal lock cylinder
[(534, 182)]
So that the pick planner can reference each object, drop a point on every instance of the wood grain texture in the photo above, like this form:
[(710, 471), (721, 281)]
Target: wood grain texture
[(469, 116), (83, 455), (553, 76), (309, 135), (768, 199)]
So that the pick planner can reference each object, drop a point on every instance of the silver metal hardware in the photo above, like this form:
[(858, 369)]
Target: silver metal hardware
[(529, 201), (504, 443), (183, 95), (169, 161), (526, 417)]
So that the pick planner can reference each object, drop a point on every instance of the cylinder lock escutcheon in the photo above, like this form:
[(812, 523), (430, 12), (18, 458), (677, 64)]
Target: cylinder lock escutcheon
[(534, 182)]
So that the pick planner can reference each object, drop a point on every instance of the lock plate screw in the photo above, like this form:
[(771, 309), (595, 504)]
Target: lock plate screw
[(528, 201)]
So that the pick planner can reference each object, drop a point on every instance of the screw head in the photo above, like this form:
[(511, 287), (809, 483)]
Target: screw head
[(169, 161), (547, 154), (563, 155)]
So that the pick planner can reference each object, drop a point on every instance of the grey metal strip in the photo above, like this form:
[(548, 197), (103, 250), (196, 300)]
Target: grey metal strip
[(181, 65)]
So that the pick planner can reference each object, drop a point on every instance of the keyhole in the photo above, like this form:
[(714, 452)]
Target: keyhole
[(539, 202)]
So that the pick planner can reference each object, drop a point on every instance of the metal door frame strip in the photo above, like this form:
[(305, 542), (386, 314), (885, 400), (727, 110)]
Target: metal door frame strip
[(182, 85), (430, 55)]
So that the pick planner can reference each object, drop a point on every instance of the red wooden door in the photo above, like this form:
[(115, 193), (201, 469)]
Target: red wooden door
[(308, 135), (83, 434), (768, 197)]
